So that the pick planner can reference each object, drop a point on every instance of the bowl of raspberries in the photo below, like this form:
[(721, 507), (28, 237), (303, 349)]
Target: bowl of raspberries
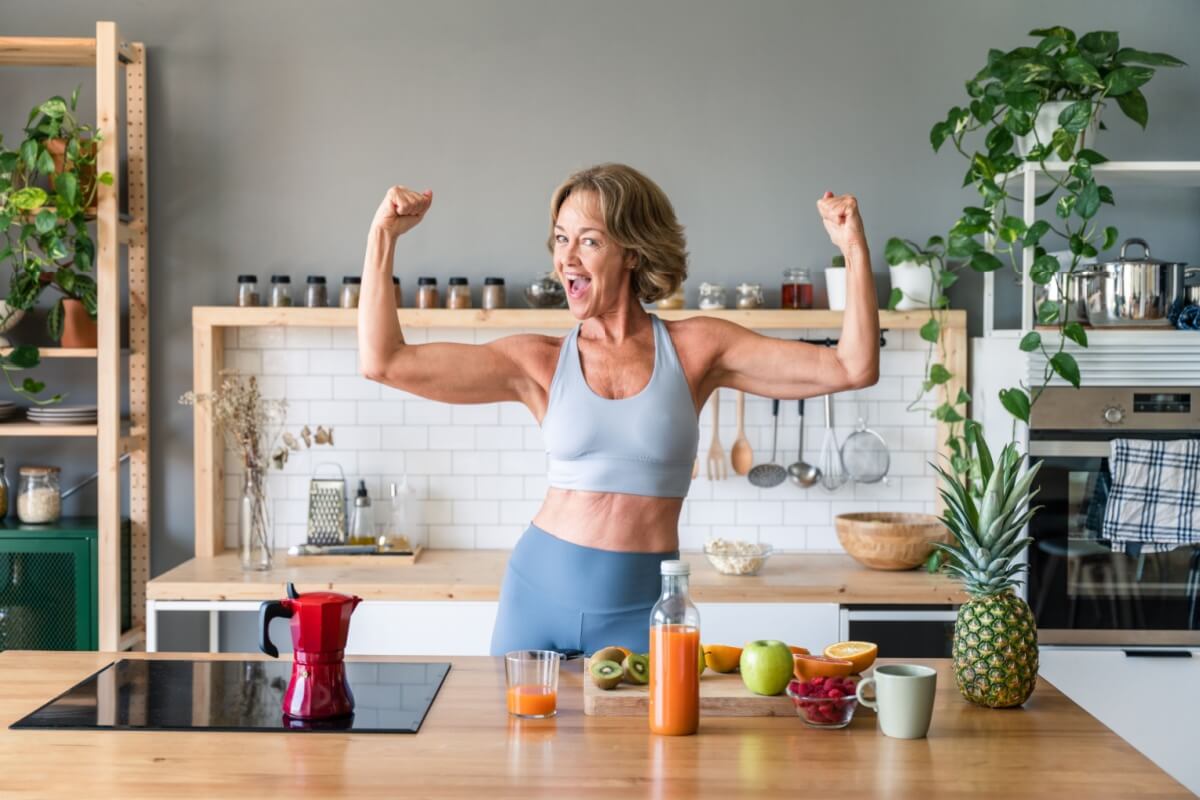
[(824, 702)]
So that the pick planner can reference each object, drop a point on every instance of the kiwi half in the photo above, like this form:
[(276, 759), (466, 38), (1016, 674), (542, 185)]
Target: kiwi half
[(609, 654), (636, 668), (605, 674)]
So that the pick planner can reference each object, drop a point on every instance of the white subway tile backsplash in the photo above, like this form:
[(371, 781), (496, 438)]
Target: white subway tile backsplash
[(480, 470)]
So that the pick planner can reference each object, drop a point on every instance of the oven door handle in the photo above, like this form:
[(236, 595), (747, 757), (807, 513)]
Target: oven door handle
[(1043, 448)]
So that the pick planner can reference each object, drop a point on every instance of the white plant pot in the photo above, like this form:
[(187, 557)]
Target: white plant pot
[(835, 287), (1045, 125), (916, 282), (8, 320)]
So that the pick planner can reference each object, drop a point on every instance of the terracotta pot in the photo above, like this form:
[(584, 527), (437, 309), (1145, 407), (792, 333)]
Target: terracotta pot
[(87, 173), (79, 330), (889, 540)]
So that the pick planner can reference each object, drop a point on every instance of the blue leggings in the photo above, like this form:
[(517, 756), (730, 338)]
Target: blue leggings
[(562, 596)]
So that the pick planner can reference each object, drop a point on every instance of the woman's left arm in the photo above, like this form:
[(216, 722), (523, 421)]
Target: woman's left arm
[(787, 370)]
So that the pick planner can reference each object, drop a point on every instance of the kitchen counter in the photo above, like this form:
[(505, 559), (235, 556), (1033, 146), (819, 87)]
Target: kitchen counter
[(470, 747), (476, 575)]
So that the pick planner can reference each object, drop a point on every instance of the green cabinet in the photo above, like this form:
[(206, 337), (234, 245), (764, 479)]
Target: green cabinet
[(48, 585)]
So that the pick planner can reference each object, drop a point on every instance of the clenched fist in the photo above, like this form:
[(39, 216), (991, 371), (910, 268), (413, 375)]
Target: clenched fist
[(842, 222), (401, 210)]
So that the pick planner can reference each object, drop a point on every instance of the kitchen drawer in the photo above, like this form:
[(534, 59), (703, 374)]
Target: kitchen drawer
[(811, 625), (422, 628)]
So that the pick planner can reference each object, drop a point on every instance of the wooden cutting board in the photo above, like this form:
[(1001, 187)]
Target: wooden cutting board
[(720, 696)]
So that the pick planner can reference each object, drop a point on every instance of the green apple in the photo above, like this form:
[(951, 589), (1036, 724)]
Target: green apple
[(766, 666)]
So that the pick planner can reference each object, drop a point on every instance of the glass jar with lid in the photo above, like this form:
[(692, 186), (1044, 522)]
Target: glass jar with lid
[(351, 287), (797, 289), (39, 498), (281, 291), (494, 293), (427, 292), (459, 294), (316, 294), (712, 296), (749, 295), (247, 293)]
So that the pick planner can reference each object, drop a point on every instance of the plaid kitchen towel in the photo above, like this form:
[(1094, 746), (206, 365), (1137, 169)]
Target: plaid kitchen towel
[(1155, 495)]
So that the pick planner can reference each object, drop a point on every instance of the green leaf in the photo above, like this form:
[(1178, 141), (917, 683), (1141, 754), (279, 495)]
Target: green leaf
[(67, 185), (1133, 104), (1127, 55), (938, 374), (1110, 237), (1090, 156), (54, 108), (945, 277), (897, 251), (1044, 269), (45, 163), (1035, 233), (1106, 195), (1078, 71), (54, 321), (894, 299), (1031, 341), (1102, 43), (1047, 312), (1042, 198), (1089, 201), (1064, 364), (1074, 118), (930, 330), (30, 386), (24, 357), (998, 141), (1016, 402), (938, 134), (1057, 30), (962, 246), (946, 413), (1075, 332), (45, 220), (29, 153), (30, 198), (1064, 206), (1123, 80), (983, 261), (106, 178)]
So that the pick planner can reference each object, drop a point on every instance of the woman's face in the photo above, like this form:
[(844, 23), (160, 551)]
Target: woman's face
[(594, 270)]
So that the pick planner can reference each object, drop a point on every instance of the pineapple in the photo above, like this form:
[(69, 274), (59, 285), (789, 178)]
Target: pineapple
[(995, 638)]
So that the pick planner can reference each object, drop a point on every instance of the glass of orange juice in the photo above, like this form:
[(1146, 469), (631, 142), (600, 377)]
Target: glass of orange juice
[(532, 677)]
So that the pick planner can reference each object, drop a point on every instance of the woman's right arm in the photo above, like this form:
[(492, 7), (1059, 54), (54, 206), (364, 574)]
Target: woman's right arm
[(451, 373)]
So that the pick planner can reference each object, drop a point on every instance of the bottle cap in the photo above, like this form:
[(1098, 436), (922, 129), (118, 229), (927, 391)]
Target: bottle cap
[(458, 281), (362, 488), (493, 281), (316, 278), (427, 281), (676, 568), (281, 279), (352, 279), (247, 279)]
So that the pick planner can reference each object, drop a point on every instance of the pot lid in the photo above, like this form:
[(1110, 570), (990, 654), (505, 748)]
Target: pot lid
[(318, 598), (1145, 259)]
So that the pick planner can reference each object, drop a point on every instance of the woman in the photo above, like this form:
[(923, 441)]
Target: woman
[(618, 398)]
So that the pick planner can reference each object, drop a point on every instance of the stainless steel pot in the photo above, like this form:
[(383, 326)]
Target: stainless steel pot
[(1191, 291), (1133, 291)]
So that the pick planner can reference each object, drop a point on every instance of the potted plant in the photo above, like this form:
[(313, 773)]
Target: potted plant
[(44, 206), (835, 283), (916, 274)]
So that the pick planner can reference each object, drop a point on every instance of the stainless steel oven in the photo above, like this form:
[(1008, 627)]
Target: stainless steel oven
[(1081, 588)]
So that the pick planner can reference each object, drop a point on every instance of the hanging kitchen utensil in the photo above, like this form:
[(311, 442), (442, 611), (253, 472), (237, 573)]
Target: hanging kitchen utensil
[(716, 453), (865, 455), (770, 474), (801, 472), (833, 472), (741, 456), (327, 508)]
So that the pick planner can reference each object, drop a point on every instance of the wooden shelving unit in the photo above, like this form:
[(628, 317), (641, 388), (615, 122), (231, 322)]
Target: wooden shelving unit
[(113, 60), (208, 357)]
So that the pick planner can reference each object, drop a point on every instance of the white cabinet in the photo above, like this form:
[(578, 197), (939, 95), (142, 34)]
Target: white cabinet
[(811, 625), (421, 628)]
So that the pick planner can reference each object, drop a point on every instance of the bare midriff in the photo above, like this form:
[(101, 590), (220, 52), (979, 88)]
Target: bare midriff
[(611, 521)]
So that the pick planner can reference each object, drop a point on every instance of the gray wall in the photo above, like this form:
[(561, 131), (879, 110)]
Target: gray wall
[(276, 127)]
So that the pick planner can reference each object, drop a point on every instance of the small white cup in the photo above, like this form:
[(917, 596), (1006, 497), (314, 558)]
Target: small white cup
[(903, 699)]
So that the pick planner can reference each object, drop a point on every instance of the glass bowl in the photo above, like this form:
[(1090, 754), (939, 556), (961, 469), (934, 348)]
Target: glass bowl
[(545, 291), (822, 711), (737, 558)]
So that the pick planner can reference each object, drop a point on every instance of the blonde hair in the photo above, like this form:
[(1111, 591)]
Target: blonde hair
[(639, 218)]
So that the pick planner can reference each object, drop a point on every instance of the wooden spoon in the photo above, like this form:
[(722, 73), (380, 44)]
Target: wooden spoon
[(742, 456)]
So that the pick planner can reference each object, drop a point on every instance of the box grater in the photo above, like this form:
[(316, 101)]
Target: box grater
[(327, 508)]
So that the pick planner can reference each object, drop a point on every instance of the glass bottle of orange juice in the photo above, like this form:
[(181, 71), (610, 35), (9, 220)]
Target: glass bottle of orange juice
[(674, 656)]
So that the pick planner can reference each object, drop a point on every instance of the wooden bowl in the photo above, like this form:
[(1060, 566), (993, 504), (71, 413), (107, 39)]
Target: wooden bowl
[(889, 540)]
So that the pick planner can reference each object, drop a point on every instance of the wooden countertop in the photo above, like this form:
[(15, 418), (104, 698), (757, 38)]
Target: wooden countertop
[(470, 747), (476, 575)]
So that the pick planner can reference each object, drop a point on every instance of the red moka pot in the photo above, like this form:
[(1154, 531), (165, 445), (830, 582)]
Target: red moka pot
[(320, 625)]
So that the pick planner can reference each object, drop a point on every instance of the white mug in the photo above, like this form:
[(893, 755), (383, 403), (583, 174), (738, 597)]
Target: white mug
[(903, 699)]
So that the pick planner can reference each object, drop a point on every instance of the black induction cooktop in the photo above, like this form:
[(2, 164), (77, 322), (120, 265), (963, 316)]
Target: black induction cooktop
[(136, 694)]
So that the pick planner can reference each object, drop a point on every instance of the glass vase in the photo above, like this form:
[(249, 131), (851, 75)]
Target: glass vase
[(256, 536)]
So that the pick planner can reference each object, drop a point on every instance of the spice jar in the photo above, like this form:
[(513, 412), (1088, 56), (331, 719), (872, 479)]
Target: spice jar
[(39, 499), (396, 289), (675, 300), (281, 291), (316, 295), (797, 290), (493, 293), (3, 491), (712, 295), (247, 294), (749, 295), (459, 294), (427, 293), (351, 285)]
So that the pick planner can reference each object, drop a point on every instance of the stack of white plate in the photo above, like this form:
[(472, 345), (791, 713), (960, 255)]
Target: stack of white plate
[(8, 410), (63, 415)]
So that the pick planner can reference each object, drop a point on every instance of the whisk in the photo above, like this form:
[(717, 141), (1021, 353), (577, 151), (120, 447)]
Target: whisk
[(833, 472)]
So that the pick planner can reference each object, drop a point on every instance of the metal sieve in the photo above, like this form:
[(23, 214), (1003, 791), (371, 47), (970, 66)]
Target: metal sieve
[(865, 455)]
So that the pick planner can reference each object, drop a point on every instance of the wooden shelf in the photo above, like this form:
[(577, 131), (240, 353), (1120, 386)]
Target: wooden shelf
[(55, 51), (38, 429), (59, 352), (1152, 173), (559, 319)]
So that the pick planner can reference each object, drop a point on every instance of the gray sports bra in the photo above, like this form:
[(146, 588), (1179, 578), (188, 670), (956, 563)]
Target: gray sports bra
[(644, 444)]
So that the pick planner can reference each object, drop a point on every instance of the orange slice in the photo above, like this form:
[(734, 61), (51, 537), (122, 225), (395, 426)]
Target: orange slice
[(809, 667), (722, 657), (861, 654), (799, 651), (624, 650)]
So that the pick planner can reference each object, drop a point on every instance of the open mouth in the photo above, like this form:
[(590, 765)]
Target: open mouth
[(577, 285)]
